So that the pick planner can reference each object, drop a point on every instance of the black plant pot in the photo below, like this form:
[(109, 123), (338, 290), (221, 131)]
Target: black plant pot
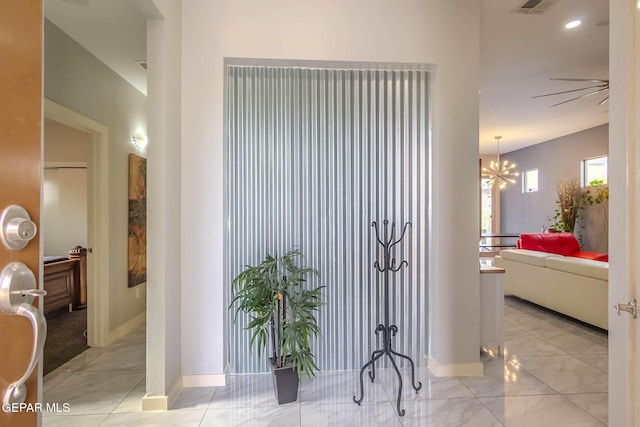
[(285, 383)]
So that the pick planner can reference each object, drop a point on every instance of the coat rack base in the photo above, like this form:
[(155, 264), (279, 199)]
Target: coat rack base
[(387, 333)]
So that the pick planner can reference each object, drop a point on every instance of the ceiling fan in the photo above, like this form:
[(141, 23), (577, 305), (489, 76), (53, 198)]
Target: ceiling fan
[(77, 2), (600, 85)]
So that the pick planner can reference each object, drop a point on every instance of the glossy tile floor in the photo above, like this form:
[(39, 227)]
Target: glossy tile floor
[(554, 372)]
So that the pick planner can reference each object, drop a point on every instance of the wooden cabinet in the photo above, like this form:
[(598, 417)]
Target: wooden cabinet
[(80, 291), (65, 281), (59, 281)]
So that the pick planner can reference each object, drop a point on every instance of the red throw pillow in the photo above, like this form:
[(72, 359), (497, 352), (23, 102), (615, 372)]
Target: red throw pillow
[(592, 255), (556, 243)]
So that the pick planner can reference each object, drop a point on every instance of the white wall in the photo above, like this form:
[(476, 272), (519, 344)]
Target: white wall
[(63, 144), (64, 210), (432, 31), (80, 82), (164, 369)]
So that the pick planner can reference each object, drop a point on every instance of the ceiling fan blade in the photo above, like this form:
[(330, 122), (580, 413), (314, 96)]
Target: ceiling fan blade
[(604, 101), (578, 97), (569, 91), (583, 80), (596, 91), (77, 2)]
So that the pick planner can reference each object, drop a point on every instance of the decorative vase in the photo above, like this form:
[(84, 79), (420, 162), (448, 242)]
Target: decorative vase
[(285, 383)]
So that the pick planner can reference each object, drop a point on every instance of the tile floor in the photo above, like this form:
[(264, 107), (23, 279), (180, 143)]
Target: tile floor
[(554, 372)]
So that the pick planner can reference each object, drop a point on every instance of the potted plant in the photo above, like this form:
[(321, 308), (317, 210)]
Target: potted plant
[(272, 293), (567, 205)]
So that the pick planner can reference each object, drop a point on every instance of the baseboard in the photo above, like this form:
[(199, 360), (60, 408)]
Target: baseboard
[(126, 327), (211, 380), (162, 403), (456, 370), (154, 403), (174, 391)]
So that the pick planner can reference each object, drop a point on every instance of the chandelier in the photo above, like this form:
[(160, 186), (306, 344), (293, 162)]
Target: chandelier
[(500, 173)]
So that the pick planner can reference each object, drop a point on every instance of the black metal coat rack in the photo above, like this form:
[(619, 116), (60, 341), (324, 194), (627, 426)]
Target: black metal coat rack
[(388, 330)]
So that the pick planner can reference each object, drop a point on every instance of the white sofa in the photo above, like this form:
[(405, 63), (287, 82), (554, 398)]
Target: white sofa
[(572, 286)]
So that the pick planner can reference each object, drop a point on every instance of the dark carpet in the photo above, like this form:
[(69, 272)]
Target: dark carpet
[(65, 337)]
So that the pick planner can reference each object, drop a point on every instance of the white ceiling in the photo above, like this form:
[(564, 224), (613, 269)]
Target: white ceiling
[(519, 54), (115, 31)]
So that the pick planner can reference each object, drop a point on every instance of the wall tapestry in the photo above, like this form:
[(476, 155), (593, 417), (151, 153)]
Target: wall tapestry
[(137, 263)]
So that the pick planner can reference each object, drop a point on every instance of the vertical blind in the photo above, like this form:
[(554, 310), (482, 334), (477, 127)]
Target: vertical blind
[(313, 157)]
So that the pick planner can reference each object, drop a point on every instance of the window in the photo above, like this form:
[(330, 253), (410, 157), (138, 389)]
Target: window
[(594, 171), (486, 209), (328, 104), (530, 181)]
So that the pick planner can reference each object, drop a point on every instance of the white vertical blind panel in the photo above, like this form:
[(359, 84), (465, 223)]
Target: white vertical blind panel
[(314, 156)]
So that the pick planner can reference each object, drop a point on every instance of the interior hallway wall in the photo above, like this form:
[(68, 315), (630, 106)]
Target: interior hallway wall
[(164, 318), (445, 34)]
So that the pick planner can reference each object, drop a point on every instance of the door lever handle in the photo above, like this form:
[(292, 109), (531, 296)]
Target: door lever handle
[(630, 307), (31, 292), (17, 292)]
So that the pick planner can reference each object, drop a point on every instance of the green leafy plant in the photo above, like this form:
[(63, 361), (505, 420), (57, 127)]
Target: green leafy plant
[(571, 199), (596, 194), (272, 293)]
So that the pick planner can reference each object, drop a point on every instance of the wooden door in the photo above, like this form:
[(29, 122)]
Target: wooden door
[(20, 168)]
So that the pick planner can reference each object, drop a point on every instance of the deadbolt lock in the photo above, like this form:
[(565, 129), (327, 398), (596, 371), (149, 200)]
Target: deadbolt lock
[(16, 227)]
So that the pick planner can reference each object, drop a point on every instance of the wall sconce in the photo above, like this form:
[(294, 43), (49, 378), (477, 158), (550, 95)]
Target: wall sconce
[(139, 141)]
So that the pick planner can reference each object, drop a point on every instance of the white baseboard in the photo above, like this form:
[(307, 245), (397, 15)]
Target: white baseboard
[(456, 370), (162, 403), (174, 391), (154, 403), (211, 380)]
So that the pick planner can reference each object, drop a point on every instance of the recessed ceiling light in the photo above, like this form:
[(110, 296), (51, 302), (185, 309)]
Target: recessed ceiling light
[(572, 24)]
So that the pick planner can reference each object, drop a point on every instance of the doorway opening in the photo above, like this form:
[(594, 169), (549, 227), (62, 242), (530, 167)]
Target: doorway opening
[(64, 237), (97, 224)]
